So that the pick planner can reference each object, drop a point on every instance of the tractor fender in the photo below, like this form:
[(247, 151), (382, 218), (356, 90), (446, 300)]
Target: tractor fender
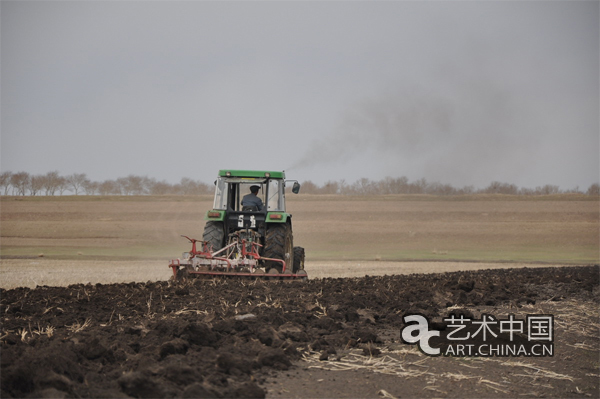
[(215, 215), (278, 217)]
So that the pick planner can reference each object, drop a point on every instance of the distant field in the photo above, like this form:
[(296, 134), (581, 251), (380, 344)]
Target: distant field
[(560, 229), (62, 272)]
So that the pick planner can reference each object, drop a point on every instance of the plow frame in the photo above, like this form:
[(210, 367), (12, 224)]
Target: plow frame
[(246, 256)]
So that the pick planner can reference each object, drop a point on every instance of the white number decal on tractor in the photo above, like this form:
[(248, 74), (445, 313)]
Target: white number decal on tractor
[(241, 221), (252, 221)]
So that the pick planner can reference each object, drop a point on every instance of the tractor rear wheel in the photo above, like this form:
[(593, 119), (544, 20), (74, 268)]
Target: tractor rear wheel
[(279, 245), (214, 233)]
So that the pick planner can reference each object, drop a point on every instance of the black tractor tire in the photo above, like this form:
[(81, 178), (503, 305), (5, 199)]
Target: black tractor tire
[(298, 259), (214, 234), (279, 242)]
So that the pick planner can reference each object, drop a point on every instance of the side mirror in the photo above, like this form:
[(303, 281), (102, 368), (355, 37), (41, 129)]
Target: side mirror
[(296, 188)]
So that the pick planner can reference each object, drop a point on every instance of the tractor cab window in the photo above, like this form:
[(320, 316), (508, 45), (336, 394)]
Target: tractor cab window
[(244, 189), (230, 191), (220, 195), (276, 200)]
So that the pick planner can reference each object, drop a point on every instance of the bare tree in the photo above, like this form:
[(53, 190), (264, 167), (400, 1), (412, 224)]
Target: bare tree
[(203, 188), (187, 186), (90, 187), (363, 186), (51, 182), (497, 187), (331, 187), (109, 187), (5, 181), (36, 184), (147, 184), (76, 181), (158, 187), (594, 189), (62, 185), (20, 182), (308, 187), (131, 185), (547, 190), (192, 187), (466, 190), (401, 185), (136, 184), (391, 185), (123, 185), (417, 187)]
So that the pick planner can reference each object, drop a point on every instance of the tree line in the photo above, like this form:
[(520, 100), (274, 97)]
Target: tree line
[(52, 183), (402, 185)]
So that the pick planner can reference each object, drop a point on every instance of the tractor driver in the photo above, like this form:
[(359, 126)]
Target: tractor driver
[(252, 199)]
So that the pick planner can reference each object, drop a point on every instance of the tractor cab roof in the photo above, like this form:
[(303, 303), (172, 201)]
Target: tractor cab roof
[(244, 180), (251, 173)]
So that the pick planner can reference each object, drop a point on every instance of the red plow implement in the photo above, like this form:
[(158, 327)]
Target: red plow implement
[(239, 258)]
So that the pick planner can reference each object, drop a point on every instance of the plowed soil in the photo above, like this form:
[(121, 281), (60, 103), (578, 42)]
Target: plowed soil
[(332, 337)]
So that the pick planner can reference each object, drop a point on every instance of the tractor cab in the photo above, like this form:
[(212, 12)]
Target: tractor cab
[(232, 186), (267, 206), (230, 191)]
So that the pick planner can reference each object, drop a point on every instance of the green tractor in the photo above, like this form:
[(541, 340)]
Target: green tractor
[(248, 232)]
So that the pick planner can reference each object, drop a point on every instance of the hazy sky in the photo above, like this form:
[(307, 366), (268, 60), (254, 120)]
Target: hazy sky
[(459, 92)]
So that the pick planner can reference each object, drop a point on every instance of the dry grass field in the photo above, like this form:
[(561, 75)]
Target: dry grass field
[(64, 240)]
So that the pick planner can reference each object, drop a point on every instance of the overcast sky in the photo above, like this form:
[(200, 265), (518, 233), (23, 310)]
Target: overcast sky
[(458, 92)]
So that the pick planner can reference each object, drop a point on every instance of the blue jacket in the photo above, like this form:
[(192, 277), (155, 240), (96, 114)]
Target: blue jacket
[(252, 200)]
